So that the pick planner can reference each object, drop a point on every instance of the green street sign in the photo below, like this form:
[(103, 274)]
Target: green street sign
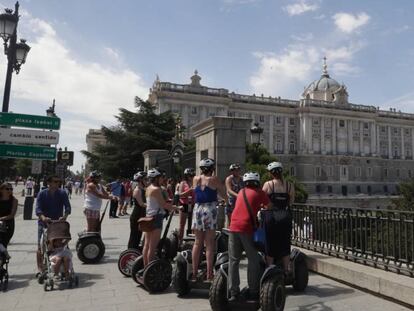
[(28, 120), (27, 152)]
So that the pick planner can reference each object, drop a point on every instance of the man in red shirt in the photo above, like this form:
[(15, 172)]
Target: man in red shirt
[(241, 236)]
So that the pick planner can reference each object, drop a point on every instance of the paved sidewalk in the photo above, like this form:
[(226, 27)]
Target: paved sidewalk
[(103, 288)]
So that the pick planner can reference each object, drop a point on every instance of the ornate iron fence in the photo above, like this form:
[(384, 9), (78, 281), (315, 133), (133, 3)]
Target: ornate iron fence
[(379, 238)]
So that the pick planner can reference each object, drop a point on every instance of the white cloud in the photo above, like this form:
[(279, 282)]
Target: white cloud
[(348, 23), (285, 74), (90, 92), (301, 7), (280, 74)]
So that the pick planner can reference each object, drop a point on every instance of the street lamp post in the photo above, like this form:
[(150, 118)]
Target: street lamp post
[(255, 132), (16, 52)]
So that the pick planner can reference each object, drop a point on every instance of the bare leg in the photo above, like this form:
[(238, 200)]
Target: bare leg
[(210, 249), (286, 261), (146, 247), (183, 218), (66, 263), (153, 244), (39, 260), (198, 245)]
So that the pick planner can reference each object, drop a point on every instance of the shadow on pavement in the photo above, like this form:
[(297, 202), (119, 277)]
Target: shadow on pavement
[(319, 306), (321, 291), (19, 281)]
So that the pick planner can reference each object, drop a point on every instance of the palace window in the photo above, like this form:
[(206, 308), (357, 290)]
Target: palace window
[(317, 171), (292, 147), (366, 125), (330, 171), (315, 121), (261, 118), (369, 171), (358, 171), (279, 147), (194, 110), (409, 173), (341, 123), (397, 172), (407, 131), (318, 188), (383, 129), (330, 189), (358, 189), (291, 121), (278, 120), (396, 130), (292, 171), (385, 172)]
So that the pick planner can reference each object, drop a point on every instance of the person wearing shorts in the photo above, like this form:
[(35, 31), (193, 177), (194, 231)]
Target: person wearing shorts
[(94, 194), (185, 192), (206, 187), (156, 206), (234, 183)]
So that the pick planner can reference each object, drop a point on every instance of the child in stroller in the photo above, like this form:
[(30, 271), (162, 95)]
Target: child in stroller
[(57, 256)]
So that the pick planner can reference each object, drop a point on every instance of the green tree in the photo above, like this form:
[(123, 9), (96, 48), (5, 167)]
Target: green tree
[(23, 167), (406, 199), (257, 158), (135, 132)]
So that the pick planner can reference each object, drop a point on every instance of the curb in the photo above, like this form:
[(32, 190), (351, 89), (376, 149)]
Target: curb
[(394, 286)]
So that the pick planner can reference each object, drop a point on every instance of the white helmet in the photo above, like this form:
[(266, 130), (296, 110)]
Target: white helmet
[(275, 167), (251, 176), (207, 163), (234, 166), (140, 175), (152, 173), (189, 171)]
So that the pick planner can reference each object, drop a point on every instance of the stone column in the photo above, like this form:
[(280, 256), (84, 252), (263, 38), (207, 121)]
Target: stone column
[(378, 141), (373, 139), (333, 120), (271, 138), (389, 143), (402, 144), (361, 138), (310, 135), (412, 143), (323, 149), (350, 138), (286, 138)]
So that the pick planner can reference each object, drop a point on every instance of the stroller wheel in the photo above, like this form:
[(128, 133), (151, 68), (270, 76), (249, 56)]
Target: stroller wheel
[(40, 278)]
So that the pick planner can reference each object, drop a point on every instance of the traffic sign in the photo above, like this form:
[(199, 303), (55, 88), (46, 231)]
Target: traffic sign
[(27, 152), (65, 157), (28, 120), (24, 136), (36, 167)]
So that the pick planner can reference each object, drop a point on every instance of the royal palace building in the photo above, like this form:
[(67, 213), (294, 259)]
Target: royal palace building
[(334, 147)]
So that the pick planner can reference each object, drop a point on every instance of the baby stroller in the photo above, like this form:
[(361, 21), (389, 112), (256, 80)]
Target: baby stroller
[(4, 261), (54, 244)]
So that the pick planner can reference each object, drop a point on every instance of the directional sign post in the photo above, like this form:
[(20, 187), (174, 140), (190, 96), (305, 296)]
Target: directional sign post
[(32, 137), (27, 152), (28, 120)]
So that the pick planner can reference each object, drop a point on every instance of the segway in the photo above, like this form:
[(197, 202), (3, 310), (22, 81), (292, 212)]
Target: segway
[(182, 281), (298, 275), (90, 247), (127, 258), (272, 290), (156, 276)]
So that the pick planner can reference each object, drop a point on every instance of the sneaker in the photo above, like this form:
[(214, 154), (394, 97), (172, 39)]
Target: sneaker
[(115, 216)]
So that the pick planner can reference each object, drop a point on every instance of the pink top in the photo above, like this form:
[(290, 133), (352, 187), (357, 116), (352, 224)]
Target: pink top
[(184, 199)]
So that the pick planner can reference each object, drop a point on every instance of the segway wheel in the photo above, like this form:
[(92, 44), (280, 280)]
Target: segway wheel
[(137, 265), (180, 282), (273, 294), (301, 279), (157, 276), (91, 250), (218, 293), (126, 258)]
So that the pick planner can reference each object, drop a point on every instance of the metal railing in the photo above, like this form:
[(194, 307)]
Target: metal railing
[(380, 238)]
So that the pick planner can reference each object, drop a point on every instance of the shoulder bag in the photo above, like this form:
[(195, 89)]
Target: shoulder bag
[(259, 234)]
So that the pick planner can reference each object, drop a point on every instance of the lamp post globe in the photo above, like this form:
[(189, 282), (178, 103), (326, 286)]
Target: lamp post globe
[(8, 24), (256, 131), (176, 157), (22, 49)]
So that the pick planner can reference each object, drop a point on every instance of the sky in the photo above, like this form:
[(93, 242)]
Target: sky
[(95, 56)]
